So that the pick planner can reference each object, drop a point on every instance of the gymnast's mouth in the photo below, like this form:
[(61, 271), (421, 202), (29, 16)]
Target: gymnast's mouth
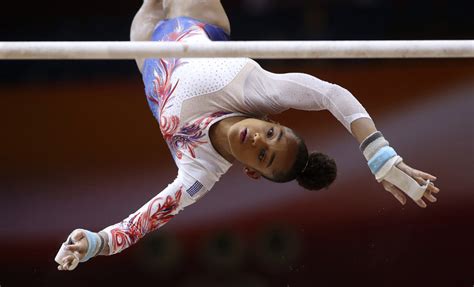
[(243, 135)]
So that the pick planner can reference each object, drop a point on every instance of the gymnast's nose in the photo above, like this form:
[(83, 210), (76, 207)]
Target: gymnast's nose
[(257, 140)]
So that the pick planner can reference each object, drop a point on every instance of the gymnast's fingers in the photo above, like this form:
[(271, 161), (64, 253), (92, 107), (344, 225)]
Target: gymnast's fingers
[(398, 194), (431, 187), (67, 261), (76, 247), (420, 203), (424, 175), (429, 197), (416, 173)]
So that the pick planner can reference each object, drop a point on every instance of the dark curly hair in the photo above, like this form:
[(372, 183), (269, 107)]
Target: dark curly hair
[(313, 171)]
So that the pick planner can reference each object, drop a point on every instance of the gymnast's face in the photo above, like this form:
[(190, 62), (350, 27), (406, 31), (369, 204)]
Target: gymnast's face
[(264, 148)]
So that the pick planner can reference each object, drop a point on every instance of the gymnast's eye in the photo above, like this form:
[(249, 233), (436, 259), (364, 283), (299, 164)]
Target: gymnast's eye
[(270, 133), (262, 154)]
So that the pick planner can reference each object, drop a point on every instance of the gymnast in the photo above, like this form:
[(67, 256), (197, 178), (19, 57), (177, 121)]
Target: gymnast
[(213, 112)]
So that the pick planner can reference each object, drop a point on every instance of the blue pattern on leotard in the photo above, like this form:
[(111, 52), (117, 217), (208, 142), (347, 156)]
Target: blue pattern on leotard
[(175, 29)]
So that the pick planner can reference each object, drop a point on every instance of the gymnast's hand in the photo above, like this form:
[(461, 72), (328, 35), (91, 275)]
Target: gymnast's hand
[(421, 177), (72, 251)]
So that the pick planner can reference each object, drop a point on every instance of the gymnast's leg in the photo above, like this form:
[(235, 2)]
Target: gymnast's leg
[(144, 23), (208, 11)]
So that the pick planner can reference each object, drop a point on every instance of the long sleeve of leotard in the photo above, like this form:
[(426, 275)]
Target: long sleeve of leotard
[(279, 92), (154, 214)]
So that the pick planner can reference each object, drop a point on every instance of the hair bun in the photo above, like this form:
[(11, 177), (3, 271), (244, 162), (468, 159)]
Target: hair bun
[(319, 173)]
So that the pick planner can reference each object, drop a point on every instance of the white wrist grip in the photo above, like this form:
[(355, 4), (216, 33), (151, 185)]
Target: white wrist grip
[(406, 183), (391, 173), (63, 252), (383, 161)]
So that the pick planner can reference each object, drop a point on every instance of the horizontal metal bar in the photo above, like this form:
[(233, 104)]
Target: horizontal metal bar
[(251, 49)]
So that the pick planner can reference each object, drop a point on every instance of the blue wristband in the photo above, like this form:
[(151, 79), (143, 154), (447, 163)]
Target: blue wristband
[(380, 158), (93, 241)]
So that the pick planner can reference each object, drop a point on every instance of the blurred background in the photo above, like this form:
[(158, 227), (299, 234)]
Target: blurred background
[(80, 149)]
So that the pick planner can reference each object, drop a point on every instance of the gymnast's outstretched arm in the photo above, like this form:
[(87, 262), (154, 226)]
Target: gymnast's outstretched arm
[(276, 93), (82, 244)]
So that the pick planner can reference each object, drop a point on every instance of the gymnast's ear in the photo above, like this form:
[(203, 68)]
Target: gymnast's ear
[(252, 173)]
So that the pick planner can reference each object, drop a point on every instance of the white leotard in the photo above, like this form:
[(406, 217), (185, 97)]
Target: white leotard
[(188, 95)]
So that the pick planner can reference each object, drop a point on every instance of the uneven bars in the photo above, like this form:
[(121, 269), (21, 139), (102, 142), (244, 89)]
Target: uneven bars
[(251, 49)]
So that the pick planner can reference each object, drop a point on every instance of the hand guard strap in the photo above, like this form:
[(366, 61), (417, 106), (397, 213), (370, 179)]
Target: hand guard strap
[(63, 252), (383, 160)]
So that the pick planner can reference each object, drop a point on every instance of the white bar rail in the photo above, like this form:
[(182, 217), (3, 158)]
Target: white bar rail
[(251, 49)]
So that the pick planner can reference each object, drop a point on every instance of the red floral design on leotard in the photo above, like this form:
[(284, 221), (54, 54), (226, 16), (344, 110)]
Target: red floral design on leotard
[(163, 92), (180, 34), (189, 136), (157, 213), (163, 88)]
